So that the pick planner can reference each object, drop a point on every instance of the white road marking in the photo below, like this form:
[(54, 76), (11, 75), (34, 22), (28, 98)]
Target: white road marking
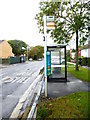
[(15, 80), (26, 80), (21, 80), (7, 81), (6, 78), (18, 81)]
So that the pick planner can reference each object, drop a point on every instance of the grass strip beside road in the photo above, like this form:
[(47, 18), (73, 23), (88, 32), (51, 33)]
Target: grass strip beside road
[(82, 74), (72, 106)]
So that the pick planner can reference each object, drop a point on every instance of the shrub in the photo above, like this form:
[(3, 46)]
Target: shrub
[(0, 61), (4, 60), (88, 59), (42, 113), (84, 61), (68, 56), (68, 59)]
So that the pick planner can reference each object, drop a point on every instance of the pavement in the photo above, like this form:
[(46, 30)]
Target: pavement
[(86, 67), (57, 89)]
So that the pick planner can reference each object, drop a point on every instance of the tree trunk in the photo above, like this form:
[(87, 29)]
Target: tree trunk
[(77, 50)]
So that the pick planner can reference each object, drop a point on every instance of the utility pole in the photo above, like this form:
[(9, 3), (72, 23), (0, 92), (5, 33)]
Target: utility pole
[(45, 50)]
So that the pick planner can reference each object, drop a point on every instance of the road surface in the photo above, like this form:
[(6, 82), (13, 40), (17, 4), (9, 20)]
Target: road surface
[(14, 81)]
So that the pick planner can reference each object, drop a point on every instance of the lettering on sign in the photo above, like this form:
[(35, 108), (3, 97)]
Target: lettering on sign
[(50, 23)]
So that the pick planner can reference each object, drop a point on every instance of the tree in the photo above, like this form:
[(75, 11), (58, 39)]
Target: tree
[(68, 55), (36, 52), (41, 48), (73, 50), (70, 18), (18, 46)]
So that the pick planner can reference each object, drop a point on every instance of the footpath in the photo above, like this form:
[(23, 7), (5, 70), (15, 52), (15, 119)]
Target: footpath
[(57, 89)]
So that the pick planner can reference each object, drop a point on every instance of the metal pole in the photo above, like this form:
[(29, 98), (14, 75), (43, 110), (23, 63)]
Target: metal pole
[(70, 50), (27, 53), (45, 49), (65, 64), (60, 56)]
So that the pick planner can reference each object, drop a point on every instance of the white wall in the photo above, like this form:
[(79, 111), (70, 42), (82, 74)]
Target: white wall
[(73, 55), (85, 53)]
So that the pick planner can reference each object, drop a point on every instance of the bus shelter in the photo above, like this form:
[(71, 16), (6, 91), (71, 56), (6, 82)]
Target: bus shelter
[(56, 63)]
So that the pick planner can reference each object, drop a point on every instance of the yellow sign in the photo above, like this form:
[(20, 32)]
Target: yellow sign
[(50, 23)]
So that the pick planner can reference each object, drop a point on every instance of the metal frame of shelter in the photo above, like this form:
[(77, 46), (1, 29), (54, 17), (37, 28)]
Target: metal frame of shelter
[(60, 79)]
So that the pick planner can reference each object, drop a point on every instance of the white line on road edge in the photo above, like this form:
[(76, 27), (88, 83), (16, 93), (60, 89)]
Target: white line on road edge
[(17, 109), (31, 113), (16, 79), (6, 78)]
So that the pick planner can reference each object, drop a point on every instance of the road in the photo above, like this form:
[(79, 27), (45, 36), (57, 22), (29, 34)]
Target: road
[(14, 81)]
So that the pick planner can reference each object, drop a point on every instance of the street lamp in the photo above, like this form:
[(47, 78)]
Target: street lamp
[(22, 55)]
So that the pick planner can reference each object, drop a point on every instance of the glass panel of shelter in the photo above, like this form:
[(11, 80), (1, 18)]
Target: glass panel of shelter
[(57, 62)]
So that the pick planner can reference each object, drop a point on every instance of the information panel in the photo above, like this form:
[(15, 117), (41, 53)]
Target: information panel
[(50, 23), (48, 63)]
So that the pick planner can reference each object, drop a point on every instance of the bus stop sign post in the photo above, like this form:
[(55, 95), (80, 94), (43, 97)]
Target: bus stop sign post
[(49, 24), (45, 50)]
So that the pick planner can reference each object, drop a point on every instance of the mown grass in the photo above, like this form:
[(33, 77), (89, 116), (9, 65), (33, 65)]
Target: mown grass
[(82, 74), (72, 106), (41, 71)]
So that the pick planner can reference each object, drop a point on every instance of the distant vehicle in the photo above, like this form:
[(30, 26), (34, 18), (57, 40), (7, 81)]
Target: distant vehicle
[(39, 59), (30, 59)]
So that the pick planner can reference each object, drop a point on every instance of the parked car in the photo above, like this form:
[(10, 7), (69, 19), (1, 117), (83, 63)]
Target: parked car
[(30, 59), (40, 59)]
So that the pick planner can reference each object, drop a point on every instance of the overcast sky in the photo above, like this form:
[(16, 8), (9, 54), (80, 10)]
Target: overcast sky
[(17, 21)]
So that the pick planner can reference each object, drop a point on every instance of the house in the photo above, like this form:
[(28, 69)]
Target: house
[(73, 55), (5, 49), (84, 51)]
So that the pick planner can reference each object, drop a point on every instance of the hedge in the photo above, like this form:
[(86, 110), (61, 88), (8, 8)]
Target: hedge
[(88, 59), (12, 60), (84, 61), (4, 60)]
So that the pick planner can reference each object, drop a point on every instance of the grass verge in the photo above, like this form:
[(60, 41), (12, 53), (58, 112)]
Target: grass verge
[(82, 74), (41, 71), (72, 106)]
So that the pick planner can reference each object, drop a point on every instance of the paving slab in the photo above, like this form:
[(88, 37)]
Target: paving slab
[(57, 89)]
